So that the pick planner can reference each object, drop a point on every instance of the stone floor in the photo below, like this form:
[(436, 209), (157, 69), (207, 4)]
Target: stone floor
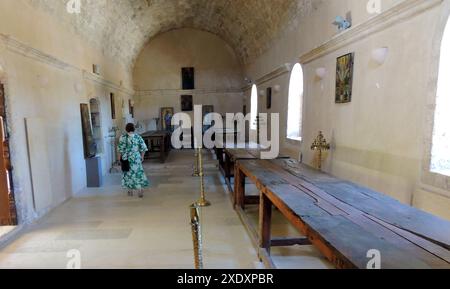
[(111, 230), (4, 230)]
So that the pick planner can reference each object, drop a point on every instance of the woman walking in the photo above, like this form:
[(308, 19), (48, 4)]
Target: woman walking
[(132, 149)]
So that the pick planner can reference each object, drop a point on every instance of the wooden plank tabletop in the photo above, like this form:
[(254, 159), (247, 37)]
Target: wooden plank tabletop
[(376, 204), (352, 219), (155, 134), (248, 154)]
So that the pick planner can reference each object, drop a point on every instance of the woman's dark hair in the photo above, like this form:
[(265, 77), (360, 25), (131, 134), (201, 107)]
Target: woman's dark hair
[(130, 127)]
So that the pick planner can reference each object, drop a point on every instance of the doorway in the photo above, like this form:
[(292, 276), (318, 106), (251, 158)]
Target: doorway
[(8, 216)]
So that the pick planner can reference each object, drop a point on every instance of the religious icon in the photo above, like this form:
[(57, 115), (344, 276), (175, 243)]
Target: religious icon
[(113, 105), (207, 116), (344, 78), (188, 79), (207, 109), (167, 114), (269, 98), (187, 103)]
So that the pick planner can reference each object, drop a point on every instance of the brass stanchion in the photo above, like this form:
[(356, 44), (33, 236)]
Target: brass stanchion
[(202, 202), (197, 237), (196, 170)]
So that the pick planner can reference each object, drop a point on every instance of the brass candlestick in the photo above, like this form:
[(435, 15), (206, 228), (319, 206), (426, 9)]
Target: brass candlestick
[(197, 237), (202, 202), (320, 144)]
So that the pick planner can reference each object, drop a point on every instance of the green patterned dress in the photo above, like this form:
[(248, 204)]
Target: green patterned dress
[(131, 146)]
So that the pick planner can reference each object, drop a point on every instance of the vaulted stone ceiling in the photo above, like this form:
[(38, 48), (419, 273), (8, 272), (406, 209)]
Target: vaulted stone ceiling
[(122, 27)]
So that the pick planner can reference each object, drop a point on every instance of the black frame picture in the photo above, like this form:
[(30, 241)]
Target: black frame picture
[(269, 97), (188, 78), (187, 103), (113, 105)]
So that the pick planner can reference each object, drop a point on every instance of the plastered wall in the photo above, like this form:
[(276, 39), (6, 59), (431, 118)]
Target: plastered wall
[(47, 74), (157, 73), (377, 139)]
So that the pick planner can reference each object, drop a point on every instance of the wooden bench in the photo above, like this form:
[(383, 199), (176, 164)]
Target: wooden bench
[(343, 220)]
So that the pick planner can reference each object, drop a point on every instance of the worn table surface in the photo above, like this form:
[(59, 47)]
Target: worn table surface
[(345, 220), (248, 153), (228, 156), (155, 133)]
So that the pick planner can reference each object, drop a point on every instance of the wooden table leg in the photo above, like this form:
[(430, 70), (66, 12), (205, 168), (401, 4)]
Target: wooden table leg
[(162, 148), (265, 222), (239, 188), (227, 168), (168, 144), (219, 155)]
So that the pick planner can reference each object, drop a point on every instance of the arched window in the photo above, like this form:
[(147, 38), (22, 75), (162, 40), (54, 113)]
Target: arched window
[(295, 104), (440, 153), (254, 108)]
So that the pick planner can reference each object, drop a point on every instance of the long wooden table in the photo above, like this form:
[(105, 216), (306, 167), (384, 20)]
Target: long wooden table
[(227, 158), (343, 220), (157, 141)]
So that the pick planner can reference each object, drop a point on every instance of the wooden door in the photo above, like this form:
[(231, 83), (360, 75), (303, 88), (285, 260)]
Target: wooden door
[(7, 206)]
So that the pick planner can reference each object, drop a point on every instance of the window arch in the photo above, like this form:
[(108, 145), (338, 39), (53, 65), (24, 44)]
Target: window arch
[(440, 153), (254, 108), (295, 104)]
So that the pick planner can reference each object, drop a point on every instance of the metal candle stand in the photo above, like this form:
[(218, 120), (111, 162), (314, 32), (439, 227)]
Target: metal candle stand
[(320, 144)]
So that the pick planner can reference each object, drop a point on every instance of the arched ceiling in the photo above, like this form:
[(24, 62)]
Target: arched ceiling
[(122, 27)]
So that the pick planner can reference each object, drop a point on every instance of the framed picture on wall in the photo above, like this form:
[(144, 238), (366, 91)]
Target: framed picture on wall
[(113, 105), (188, 78), (131, 108), (167, 114), (207, 109), (269, 97), (89, 145), (187, 103), (344, 78)]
